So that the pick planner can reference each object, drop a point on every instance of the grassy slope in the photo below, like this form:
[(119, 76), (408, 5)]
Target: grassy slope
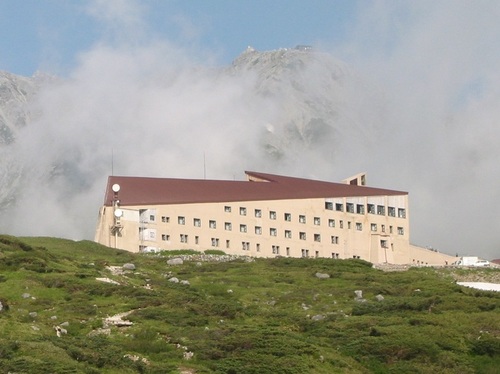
[(425, 324)]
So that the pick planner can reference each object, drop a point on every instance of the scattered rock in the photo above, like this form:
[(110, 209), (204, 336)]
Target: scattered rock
[(175, 261), (188, 355), (53, 318), (117, 320), (35, 328), (128, 266), (33, 314), (318, 317), (64, 324), (107, 280), (229, 291), (322, 276), (379, 297), (136, 358), (174, 280), (60, 331), (359, 296), (25, 295), (185, 282)]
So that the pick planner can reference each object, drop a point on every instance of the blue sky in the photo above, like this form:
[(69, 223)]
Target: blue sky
[(49, 34)]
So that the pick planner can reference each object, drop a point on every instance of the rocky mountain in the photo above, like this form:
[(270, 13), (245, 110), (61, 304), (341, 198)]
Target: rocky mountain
[(309, 88)]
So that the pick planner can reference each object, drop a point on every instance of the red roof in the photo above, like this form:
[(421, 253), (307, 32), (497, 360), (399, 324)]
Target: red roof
[(156, 191)]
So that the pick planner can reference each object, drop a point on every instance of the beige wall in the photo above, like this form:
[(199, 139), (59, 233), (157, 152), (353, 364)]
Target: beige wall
[(420, 256), (353, 231)]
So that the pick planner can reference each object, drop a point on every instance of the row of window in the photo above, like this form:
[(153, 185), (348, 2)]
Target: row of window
[(349, 207), (183, 238), (288, 234), (370, 208)]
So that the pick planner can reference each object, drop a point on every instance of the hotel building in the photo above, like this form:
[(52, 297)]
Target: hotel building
[(265, 216)]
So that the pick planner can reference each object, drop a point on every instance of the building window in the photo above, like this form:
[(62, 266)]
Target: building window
[(373, 227), (257, 247), (258, 230), (288, 234), (371, 208), (349, 207), (276, 249), (381, 210), (272, 214), (383, 244), (258, 213), (245, 246), (228, 244), (331, 223), (382, 228), (228, 226), (196, 240), (348, 225), (305, 252), (184, 238), (215, 242), (360, 209), (302, 235), (359, 226), (243, 211), (335, 240), (243, 228), (401, 213), (317, 221), (227, 209), (302, 219), (288, 251), (273, 232), (317, 237), (212, 224), (339, 207), (316, 254), (335, 255), (328, 205), (391, 211), (390, 229), (165, 219), (288, 217), (341, 223), (400, 231), (165, 237), (181, 220), (197, 222), (151, 218)]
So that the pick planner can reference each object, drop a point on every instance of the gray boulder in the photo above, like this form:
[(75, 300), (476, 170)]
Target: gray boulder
[(175, 261), (174, 280), (322, 276), (128, 267)]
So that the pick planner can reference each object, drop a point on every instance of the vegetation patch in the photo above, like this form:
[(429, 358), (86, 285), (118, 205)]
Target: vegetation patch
[(234, 315)]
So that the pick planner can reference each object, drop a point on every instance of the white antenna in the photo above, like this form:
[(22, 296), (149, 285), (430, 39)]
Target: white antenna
[(204, 167)]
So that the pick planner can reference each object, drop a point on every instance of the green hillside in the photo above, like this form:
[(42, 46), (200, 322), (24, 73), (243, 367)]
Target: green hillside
[(235, 315)]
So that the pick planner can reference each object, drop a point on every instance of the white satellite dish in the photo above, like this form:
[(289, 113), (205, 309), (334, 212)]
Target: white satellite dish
[(115, 187), (118, 213)]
